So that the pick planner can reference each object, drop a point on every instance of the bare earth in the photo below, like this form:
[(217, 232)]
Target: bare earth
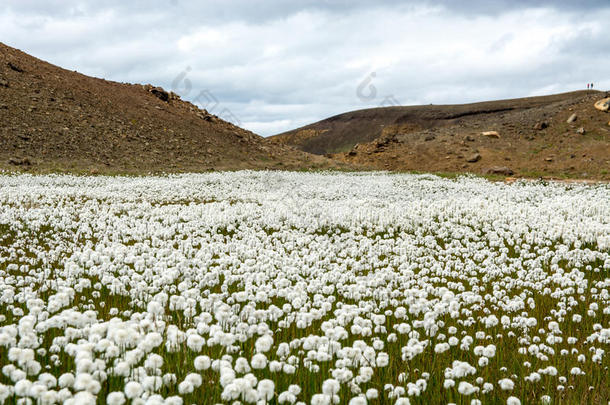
[(58, 120), (534, 137), (55, 120)]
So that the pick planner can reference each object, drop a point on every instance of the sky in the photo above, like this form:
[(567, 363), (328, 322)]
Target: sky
[(275, 65)]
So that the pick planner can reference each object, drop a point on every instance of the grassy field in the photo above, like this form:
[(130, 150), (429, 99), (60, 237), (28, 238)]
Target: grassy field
[(319, 288)]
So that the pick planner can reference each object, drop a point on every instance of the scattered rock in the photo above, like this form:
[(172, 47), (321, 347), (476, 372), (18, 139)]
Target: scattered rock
[(19, 162), (603, 105), (3, 107), (429, 138), (206, 117), (549, 159), (469, 138), (15, 67), (541, 125), (3, 82), (352, 153), (491, 134), (572, 118), (503, 170), (581, 131), (160, 93), (473, 158)]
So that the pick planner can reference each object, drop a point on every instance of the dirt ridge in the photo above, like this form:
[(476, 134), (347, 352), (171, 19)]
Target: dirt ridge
[(530, 137), (54, 119)]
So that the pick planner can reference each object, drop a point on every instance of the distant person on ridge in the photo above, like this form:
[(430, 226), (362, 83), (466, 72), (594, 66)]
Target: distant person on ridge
[(591, 86), (588, 84)]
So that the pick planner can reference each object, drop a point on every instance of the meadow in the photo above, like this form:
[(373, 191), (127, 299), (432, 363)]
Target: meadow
[(303, 288)]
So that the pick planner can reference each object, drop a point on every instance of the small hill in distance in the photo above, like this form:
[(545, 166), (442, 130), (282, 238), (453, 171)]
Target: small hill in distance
[(528, 137), (59, 120)]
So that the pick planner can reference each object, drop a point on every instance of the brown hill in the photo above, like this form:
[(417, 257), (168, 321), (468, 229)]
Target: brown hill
[(534, 138), (55, 119)]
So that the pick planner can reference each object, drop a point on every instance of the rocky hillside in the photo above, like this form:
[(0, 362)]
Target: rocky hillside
[(563, 135), (53, 119)]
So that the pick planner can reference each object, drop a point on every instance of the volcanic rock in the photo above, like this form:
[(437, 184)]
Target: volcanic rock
[(473, 158), (603, 105), (541, 125), (503, 170), (491, 134), (572, 118)]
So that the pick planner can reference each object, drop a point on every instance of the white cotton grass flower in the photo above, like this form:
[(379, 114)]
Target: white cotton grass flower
[(286, 398), (22, 388), (465, 388), (154, 399), (545, 400), (359, 400), (263, 344), (513, 401), (154, 361), (81, 398), (133, 389), (195, 342), (383, 359), (66, 380), (202, 363), (48, 380), (48, 397), (441, 347), (314, 287), (242, 366), (115, 398), (85, 381), (174, 400), (259, 361), (330, 387), (506, 384), (321, 399), (372, 393), (288, 369), (5, 392), (265, 389), (185, 387), (194, 379)]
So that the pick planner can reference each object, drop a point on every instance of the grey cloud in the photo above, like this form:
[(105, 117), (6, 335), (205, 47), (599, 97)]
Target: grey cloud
[(278, 64)]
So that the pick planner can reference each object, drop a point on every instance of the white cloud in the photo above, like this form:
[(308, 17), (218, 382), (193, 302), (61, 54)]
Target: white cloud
[(284, 64)]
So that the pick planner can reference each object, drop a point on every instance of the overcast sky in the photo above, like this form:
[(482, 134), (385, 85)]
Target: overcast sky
[(275, 65)]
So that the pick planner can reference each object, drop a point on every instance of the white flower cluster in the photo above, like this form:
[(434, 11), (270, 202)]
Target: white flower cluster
[(294, 288)]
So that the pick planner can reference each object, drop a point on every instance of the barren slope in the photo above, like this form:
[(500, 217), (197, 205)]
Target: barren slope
[(55, 119), (534, 137)]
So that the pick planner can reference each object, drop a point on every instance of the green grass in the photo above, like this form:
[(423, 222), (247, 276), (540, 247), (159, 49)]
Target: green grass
[(43, 279)]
